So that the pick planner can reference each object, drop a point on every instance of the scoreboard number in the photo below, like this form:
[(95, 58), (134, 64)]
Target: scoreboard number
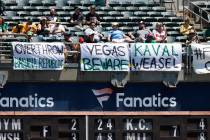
[(202, 124), (74, 136), (104, 122), (175, 131), (74, 123), (202, 136)]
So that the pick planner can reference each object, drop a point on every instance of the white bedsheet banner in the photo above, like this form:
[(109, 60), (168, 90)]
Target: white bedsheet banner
[(104, 57), (38, 56), (201, 58), (156, 57)]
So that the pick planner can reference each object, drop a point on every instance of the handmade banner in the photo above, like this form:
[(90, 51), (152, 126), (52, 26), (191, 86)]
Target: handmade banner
[(156, 57), (201, 58), (38, 56), (104, 57)]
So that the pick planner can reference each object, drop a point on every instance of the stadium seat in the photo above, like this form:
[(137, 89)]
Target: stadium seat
[(29, 8), (73, 2), (23, 13), (42, 8), (36, 13), (141, 14), (35, 2), (154, 14), (127, 13), (114, 13), (119, 8), (132, 8), (48, 2)]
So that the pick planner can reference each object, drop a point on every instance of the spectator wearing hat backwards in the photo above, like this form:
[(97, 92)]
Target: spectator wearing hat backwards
[(116, 35)]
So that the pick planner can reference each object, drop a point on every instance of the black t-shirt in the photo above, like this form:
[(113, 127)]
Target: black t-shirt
[(78, 17), (89, 16)]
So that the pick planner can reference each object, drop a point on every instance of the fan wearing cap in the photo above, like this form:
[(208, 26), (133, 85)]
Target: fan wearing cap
[(92, 16), (116, 35), (57, 28), (192, 37), (142, 32), (92, 35)]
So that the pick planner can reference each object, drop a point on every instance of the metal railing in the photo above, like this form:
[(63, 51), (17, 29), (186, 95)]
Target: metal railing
[(190, 9)]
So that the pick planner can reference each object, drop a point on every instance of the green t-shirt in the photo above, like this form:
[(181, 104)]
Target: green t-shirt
[(4, 27)]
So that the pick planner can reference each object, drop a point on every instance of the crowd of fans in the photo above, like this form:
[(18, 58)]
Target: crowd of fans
[(89, 24)]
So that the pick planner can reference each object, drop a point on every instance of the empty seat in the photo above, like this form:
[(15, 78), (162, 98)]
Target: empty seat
[(29, 8), (154, 14), (108, 19), (145, 9), (132, 8), (36, 13), (23, 13), (73, 2), (42, 8), (139, 13), (35, 2), (48, 2), (127, 14), (63, 13), (159, 9), (119, 8), (114, 13)]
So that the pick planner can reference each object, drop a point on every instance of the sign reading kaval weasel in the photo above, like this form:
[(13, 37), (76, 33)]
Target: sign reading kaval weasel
[(38, 56), (201, 58), (156, 57), (104, 57)]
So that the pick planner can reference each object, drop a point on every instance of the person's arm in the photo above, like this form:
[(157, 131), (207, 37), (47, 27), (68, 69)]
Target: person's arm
[(109, 37)]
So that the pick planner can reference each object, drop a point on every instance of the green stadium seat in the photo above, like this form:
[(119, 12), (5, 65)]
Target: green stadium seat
[(36, 13), (73, 2), (29, 8), (141, 14), (23, 13), (114, 13), (159, 9), (48, 2), (35, 2), (145, 9), (119, 8), (154, 14), (132, 8), (42, 8), (127, 13)]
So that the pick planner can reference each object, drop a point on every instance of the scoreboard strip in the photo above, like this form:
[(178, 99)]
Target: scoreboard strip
[(105, 127)]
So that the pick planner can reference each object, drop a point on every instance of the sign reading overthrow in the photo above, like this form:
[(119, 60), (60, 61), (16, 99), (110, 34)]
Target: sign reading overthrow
[(38, 56), (156, 57), (104, 57)]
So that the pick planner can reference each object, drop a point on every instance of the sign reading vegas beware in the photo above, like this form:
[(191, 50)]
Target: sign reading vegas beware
[(156, 57), (38, 56), (104, 57)]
